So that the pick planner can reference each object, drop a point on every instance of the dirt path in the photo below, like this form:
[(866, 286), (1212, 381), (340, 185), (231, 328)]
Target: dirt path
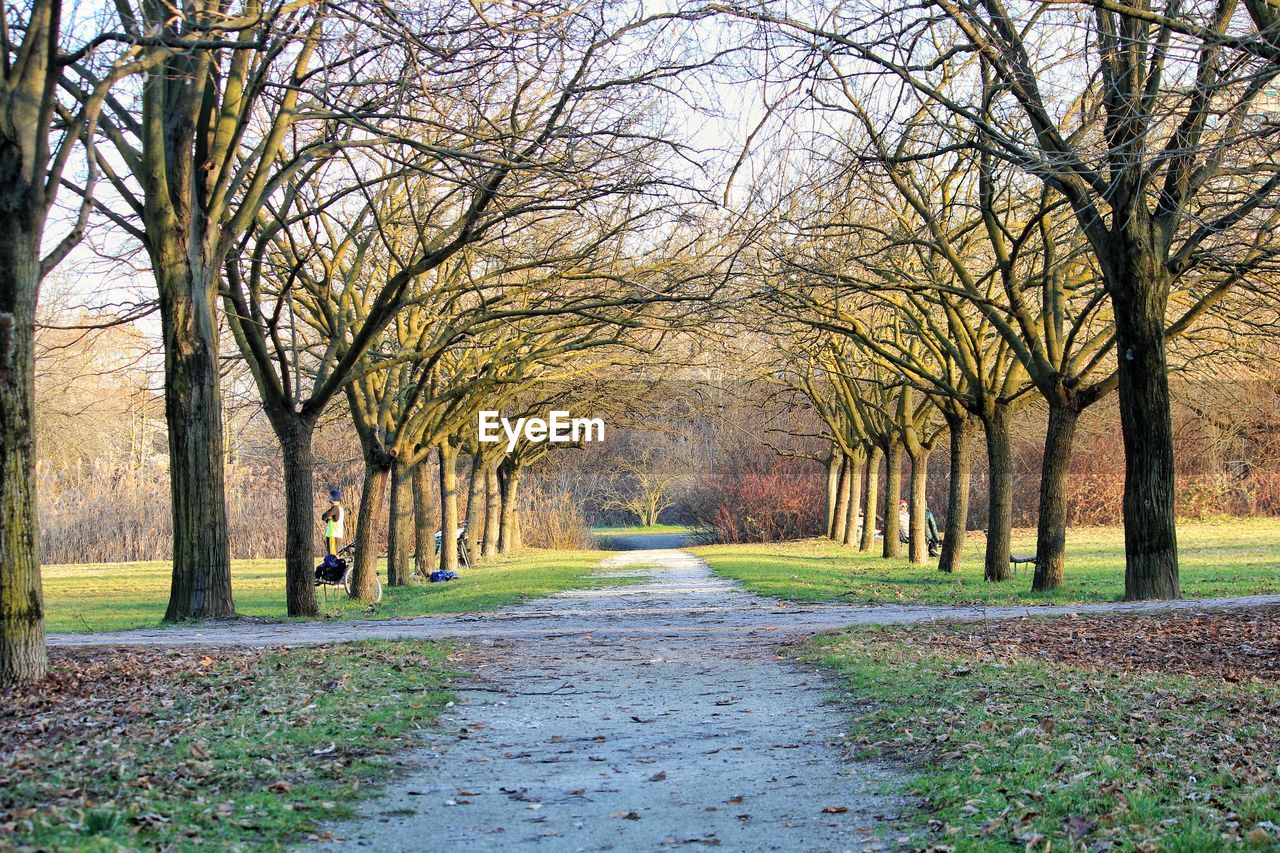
[(637, 735)]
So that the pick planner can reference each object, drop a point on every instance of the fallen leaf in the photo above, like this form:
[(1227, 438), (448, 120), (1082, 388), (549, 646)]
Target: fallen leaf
[(1079, 826)]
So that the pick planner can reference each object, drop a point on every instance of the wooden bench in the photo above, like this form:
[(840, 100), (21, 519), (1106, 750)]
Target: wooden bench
[(1020, 561)]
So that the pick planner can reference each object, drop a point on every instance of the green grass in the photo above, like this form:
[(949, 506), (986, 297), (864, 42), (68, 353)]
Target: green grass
[(247, 752), (1222, 558), (1023, 753), (117, 596), (639, 531)]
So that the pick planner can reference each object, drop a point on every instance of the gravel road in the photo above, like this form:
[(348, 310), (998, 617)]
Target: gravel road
[(637, 734)]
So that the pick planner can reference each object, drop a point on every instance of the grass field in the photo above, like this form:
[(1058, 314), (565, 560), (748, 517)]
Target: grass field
[(1218, 558), (115, 596), (1018, 753), (227, 749)]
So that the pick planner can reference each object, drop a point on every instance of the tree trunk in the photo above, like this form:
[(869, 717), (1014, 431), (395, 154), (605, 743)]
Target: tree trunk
[(892, 496), (870, 499), (508, 533), (842, 498), (448, 506), (957, 523), (833, 486), (295, 436), (423, 520), (475, 508), (999, 497), (918, 549), (201, 587), (22, 652), (853, 506), (1150, 526), (400, 525), (1055, 471), (492, 510), (377, 467)]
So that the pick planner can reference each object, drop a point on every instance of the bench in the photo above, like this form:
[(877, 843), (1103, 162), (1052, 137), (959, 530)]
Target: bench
[(1020, 561)]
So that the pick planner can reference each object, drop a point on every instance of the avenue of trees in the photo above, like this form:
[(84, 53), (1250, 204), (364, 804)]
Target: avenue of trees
[(940, 217), (420, 208), (998, 202)]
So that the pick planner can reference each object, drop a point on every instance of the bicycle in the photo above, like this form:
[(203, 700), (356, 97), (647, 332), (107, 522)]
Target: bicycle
[(339, 570), (464, 556)]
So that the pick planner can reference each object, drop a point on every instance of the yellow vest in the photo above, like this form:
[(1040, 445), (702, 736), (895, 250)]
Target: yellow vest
[(333, 527)]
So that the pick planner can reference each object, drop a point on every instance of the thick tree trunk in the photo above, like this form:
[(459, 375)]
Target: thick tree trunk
[(853, 506), (475, 508), (918, 550), (508, 531), (400, 525), (295, 436), (1000, 496), (517, 526), (22, 652), (833, 487), (448, 506), (201, 587), (423, 520), (1150, 527), (957, 523), (892, 496), (492, 510), (377, 467), (1055, 471), (870, 499), (842, 498)]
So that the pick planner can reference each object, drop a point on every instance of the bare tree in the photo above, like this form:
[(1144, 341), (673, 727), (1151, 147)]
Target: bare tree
[(39, 138), (649, 480), (1173, 184), (475, 158), (846, 267), (193, 167)]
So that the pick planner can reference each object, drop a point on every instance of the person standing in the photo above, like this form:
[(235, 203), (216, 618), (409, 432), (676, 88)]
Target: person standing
[(334, 518), (931, 534)]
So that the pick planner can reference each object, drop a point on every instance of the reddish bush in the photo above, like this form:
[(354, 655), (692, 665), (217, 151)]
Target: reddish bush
[(756, 496)]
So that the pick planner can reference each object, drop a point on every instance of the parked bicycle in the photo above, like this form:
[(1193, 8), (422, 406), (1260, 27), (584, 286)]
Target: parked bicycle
[(464, 555), (339, 570)]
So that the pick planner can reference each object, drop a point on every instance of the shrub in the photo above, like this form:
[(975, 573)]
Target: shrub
[(551, 517), (756, 496)]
